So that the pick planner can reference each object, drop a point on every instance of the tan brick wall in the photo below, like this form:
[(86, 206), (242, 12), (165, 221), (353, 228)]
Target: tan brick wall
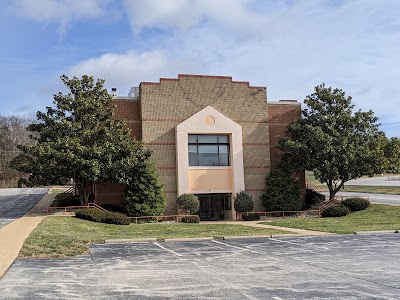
[(164, 105), (171, 101)]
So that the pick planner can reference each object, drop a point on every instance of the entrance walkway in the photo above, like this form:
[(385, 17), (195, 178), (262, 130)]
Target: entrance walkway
[(13, 235)]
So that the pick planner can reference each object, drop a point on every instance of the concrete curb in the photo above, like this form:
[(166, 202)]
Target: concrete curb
[(207, 238), (377, 232), (128, 241)]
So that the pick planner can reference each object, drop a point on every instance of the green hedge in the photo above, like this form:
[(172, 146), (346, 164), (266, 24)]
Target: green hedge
[(337, 210), (95, 215), (356, 204), (190, 219), (251, 217)]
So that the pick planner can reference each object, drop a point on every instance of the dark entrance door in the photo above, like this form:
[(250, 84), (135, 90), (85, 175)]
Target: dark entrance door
[(213, 206)]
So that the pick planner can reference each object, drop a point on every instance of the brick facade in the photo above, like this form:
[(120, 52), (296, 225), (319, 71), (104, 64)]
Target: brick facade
[(163, 105)]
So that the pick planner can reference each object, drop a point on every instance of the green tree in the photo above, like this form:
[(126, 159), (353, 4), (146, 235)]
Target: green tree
[(281, 190), (334, 142), (144, 194), (77, 138), (392, 154)]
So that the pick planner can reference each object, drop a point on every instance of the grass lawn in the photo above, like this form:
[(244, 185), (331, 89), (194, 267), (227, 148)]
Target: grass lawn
[(375, 217), (69, 236)]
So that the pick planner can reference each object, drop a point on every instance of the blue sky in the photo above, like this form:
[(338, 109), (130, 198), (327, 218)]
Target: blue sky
[(289, 46)]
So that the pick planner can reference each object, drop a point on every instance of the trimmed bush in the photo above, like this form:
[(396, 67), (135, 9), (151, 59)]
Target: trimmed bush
[(337, 210), (188, 203), (281, 191), (115, 218), (95, 215), (356, 204), (251, 217), (191, 219), (72, 200), (243, 202), (311, 198), (113, 207)]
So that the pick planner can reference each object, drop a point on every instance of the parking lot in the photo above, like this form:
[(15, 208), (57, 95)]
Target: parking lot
[(14, 203), (323, 267)]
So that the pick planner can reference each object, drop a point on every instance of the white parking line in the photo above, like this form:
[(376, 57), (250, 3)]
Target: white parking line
[(299, 244), (240, 248), (277, 298), (169, 250)]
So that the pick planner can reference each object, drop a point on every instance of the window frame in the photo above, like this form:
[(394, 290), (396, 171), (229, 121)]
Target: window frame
[(218, 144)]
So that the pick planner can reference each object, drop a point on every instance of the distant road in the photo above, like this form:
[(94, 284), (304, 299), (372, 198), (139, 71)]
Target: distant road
[(374, 198), (376, 181)]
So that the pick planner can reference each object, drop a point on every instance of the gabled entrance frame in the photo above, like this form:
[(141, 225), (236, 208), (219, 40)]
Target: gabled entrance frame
[(210, 121)]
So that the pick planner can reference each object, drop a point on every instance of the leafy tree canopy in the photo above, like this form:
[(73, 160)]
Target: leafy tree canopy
[(392, 154), (77, 138), (334, 142)]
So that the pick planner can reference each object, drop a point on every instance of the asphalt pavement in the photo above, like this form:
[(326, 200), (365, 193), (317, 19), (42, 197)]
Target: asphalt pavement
[(14, 203), (319, 267)]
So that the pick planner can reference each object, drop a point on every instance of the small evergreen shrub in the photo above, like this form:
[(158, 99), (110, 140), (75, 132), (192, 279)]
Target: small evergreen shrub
[(251, 217), (113, 207), (311, 198), (115, 218), (243, 202), (337, 210), (188, 203), (95, 215), (190, 219), (356, 204), (281, 191)]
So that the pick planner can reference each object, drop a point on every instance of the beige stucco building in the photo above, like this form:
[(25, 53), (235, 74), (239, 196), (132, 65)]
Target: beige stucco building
[(210, 136)]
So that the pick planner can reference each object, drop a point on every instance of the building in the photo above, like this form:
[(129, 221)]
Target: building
[(210, 136)]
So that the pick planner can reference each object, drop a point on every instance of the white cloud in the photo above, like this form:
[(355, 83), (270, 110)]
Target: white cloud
[(61, 12), (131, 68)]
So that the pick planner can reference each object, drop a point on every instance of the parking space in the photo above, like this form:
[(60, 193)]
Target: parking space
[(323, 267), (14, 203)]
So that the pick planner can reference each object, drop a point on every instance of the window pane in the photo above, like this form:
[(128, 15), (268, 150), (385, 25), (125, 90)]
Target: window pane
[(223, 139), (223, 149), (193, 148), (193, 159), (192, 138), (208, 159), (224, 159), (204, 138), (208, 149)]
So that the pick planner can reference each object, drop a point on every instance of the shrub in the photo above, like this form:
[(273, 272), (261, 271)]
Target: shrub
[(356, 204), (189, 203), (337, 210), (95, 215), (61, 200), (251, 217), (243, 202), (311, 198), (115, 218), (281, 191), (191, 219), (113, 207)]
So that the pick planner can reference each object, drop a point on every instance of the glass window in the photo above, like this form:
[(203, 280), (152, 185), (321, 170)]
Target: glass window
[(206, 139), (208, 150)]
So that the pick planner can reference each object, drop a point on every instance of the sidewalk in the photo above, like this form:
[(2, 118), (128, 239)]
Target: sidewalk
[(255, 224), (13, 235)]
